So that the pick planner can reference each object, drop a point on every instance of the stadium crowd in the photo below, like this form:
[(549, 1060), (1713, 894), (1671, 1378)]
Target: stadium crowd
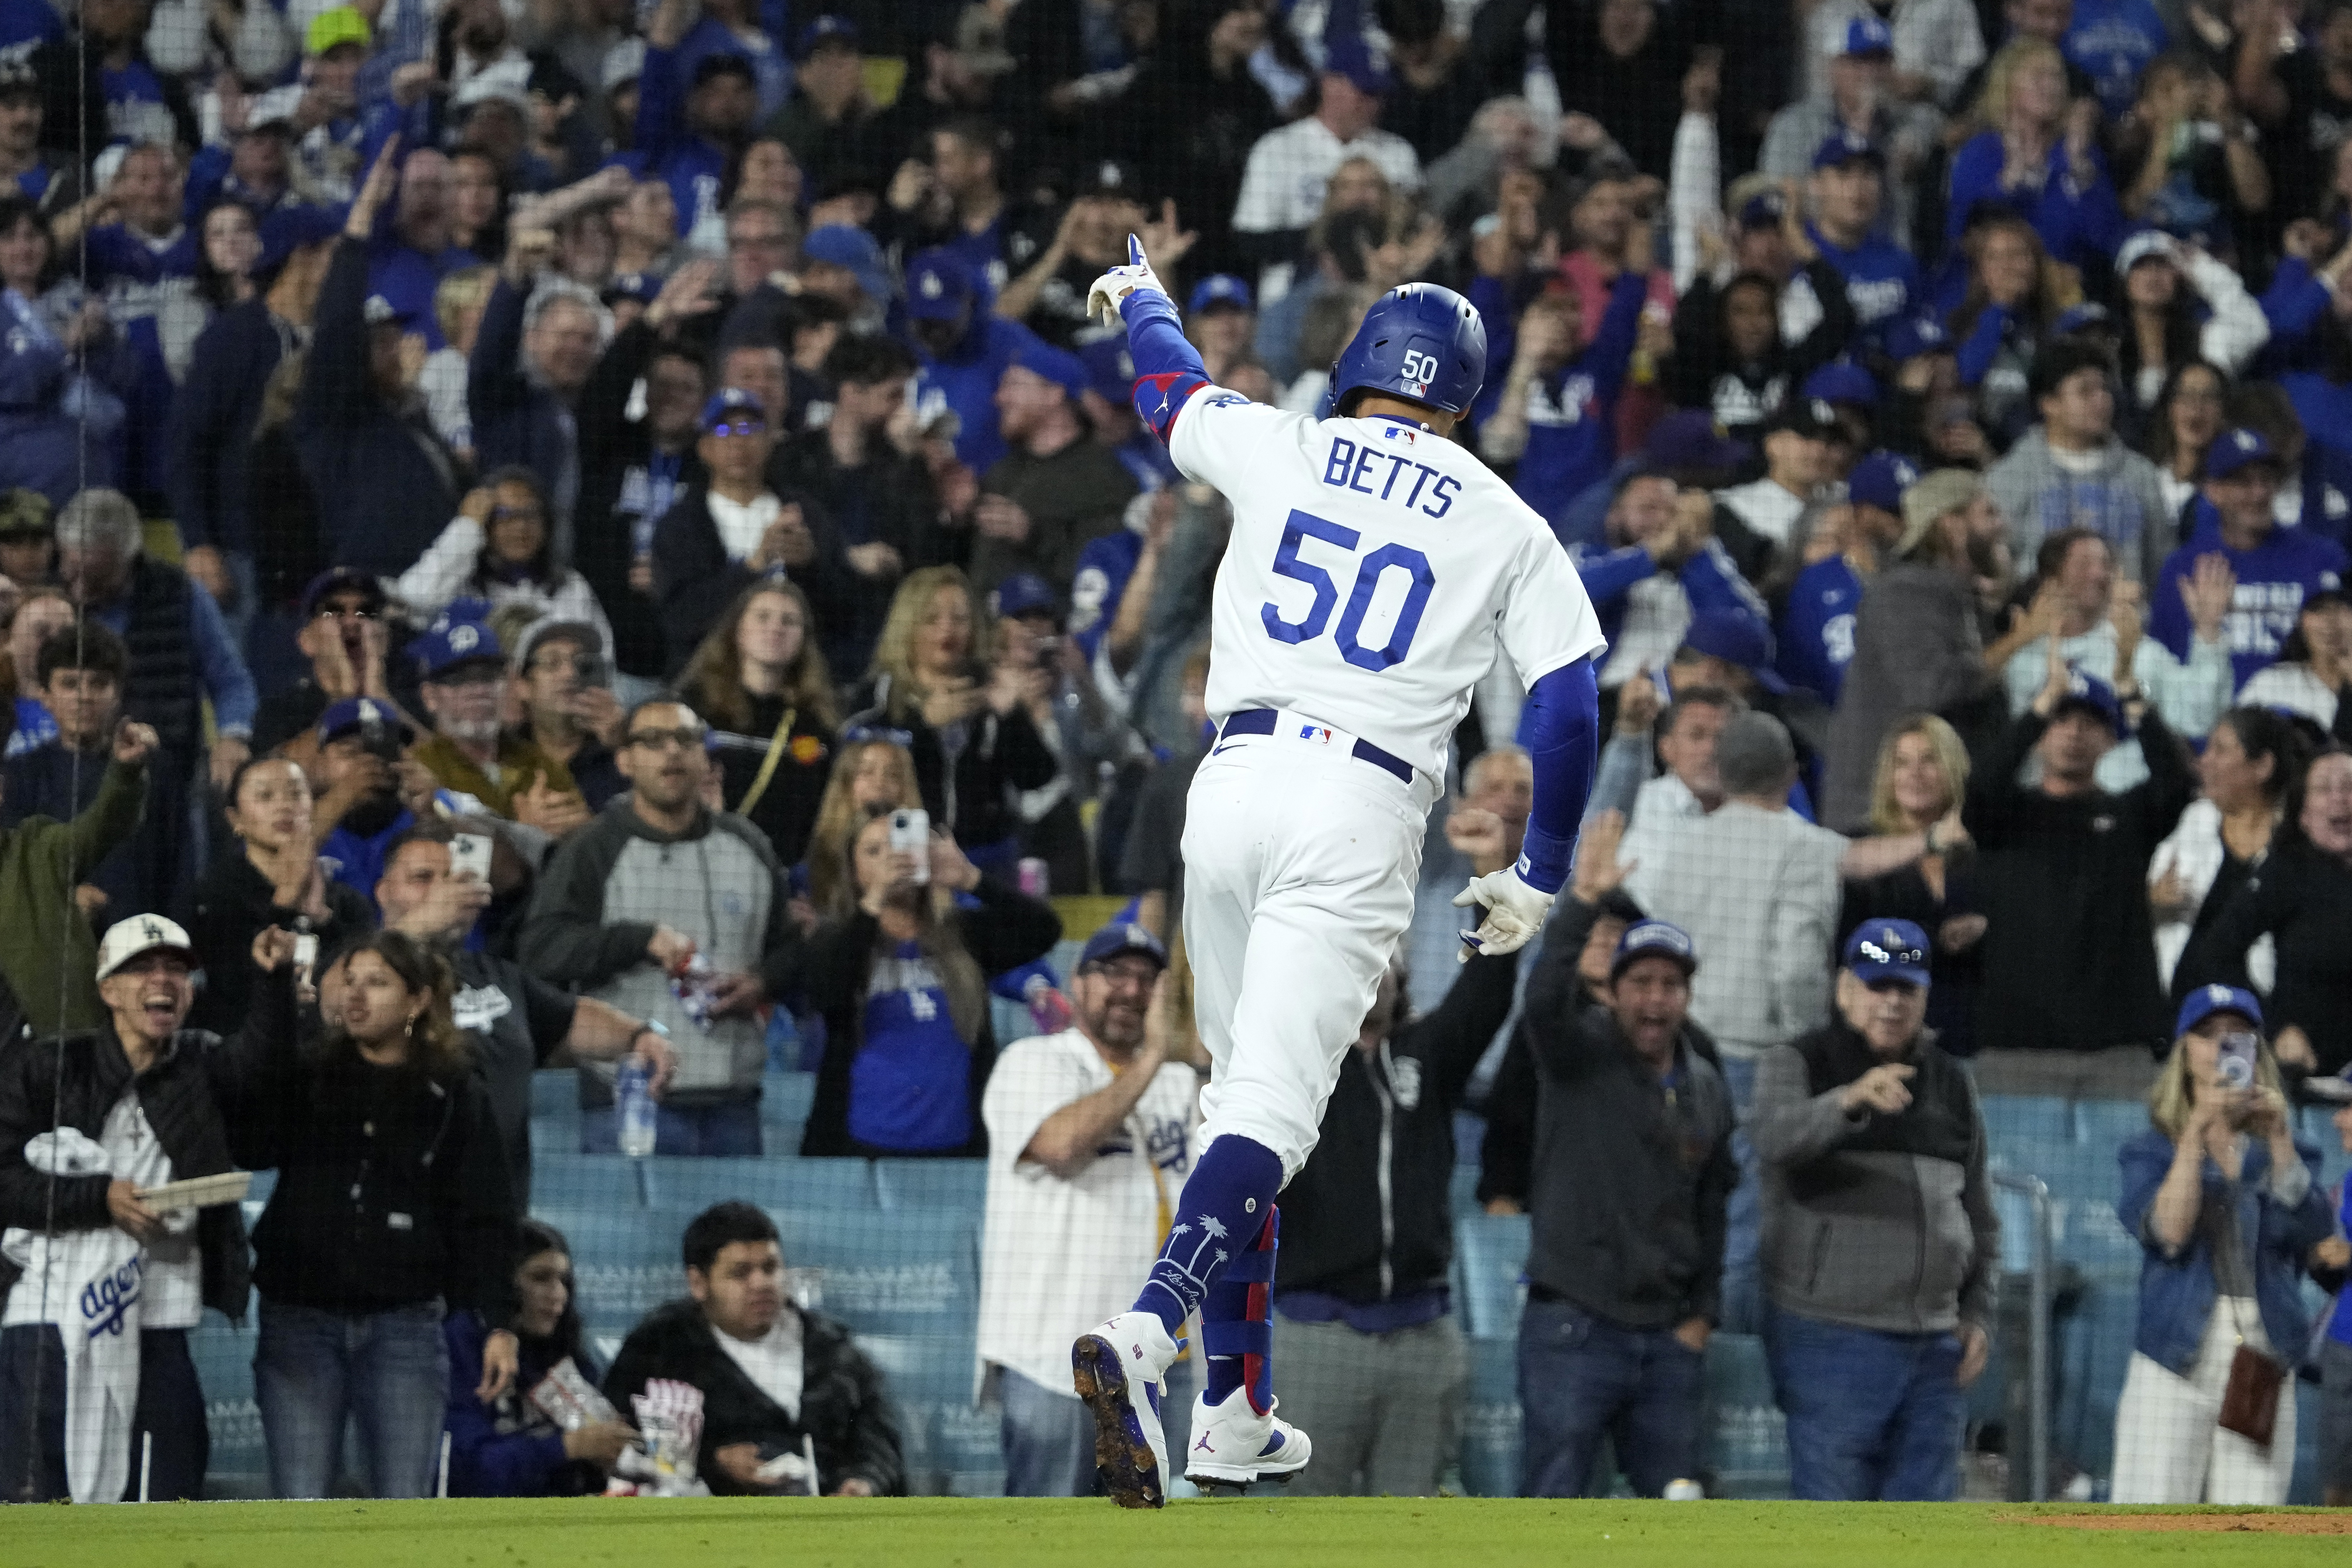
[(576, 534)]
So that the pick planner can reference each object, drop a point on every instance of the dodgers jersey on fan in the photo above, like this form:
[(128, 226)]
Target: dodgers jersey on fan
[(1373, 570)]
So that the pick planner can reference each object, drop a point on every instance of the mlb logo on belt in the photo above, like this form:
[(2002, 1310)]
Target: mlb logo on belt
[(1322, 737)]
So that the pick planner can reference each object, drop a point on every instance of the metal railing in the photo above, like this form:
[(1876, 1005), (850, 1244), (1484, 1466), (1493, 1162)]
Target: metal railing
[(2036, 1194)]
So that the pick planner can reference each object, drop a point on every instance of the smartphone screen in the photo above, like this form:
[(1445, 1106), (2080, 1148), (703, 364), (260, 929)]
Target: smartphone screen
[(469, 855)]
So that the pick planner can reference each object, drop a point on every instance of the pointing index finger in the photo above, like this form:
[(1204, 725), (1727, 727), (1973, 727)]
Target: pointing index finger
[(1135, 251)]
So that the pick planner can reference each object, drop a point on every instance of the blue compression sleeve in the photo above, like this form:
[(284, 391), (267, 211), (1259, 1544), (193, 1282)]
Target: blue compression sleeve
[(1168, 368), (1561, 723)]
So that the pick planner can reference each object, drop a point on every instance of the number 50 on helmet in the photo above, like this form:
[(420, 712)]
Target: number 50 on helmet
[(1419, 342)]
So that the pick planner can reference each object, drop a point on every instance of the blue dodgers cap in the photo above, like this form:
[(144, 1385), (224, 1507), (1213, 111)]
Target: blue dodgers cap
[(1844, 146), (644, 287), (734, 407), (1867, 36), (353, 714), (1063, 368), (1110, 367), (2088, 693), (1120, 938), (2237, 449), (1025, 594), (826, 29), (344, 580), (1880, 481), (1351, 55), (1653, 939), (1842, 381), (2207, 1000), (1916, 335), (1219, 289), (938, 286), (1765, 209), (2080, 317), (1690, 438), (1731, 637), (1881, 950), (454, 646), (381, 311), (854, 251)]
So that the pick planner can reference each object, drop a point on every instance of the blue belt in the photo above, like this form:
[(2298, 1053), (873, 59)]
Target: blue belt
[(1260, 721)]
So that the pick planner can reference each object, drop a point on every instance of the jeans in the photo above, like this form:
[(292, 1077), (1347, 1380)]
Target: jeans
[(1049, 1437), (1743, 1269), (1582, 1376), (709, 1130), (1872, 1416), (389, 1371), (171, 1410)]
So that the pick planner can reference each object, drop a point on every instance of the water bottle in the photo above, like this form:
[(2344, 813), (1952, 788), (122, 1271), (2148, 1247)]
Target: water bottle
[(633, 1095)]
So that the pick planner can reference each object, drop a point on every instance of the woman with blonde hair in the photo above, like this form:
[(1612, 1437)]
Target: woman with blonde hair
[(872, 773), (902, 982), (1919, 864), (2039, 156), (760, 682), (2227, 1206), (972, 741)]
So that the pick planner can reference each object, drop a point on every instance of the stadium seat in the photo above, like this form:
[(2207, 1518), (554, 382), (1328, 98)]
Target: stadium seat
[(913, 1273), (571, 1180), (1490, 1419), (555, 1094), (961, 1184), (1748, 1448), (1493, 1251), (843, 1184), (786, 1096), (625, 1263), (2027, 1120), (224, 1361)]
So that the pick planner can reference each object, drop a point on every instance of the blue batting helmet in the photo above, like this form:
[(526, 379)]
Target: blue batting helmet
[(1420, 343)]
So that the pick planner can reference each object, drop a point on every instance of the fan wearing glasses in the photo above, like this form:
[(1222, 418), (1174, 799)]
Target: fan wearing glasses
[(1880, 1244)]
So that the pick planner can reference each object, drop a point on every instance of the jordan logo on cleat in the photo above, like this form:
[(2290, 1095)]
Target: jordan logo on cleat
[(1203, 1445)]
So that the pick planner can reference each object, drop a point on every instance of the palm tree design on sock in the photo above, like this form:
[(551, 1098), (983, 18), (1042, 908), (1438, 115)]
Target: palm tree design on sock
[(1194, 1278)]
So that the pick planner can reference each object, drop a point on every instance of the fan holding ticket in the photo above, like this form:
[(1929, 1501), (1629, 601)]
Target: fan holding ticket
[(119, 1205)]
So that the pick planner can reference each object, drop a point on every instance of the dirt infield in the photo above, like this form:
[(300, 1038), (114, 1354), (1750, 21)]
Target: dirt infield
[(2297, 1522)]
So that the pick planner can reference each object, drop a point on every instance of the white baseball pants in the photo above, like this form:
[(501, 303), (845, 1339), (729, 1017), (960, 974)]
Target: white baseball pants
[(1299, 866)]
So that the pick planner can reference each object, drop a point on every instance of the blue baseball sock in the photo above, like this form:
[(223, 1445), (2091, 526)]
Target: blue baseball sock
[(1237, 1322), (1224, 1204)]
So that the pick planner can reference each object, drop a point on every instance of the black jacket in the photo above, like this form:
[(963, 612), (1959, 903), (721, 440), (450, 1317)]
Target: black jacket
[(392, 1188), (213, 418), (1387, 1150), (385, 485), (1009, 929), (2069, 953), (195, 1096), (695, 579), (965, 785), (887, 499), (230, 906), (2302, 898), (843, 1409), (615, 494), (1631, 1176)]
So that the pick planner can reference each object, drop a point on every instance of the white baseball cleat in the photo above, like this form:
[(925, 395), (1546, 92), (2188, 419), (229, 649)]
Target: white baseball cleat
[(1120, 1371), (1233, 1445)]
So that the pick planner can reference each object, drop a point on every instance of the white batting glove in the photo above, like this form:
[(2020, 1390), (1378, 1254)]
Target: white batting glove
[(1102, 300), (1515, 912)]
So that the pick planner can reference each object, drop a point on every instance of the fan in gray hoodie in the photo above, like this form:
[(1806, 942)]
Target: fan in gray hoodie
[(2072, 471)]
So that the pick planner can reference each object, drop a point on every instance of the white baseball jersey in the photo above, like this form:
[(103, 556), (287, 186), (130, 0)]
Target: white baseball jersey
[(1372, 571)]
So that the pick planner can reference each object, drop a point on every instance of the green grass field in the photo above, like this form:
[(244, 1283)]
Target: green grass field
[(1357, 1534)]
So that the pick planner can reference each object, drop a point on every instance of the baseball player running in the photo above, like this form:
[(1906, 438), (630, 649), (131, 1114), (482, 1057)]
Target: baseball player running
[(1374, 568)]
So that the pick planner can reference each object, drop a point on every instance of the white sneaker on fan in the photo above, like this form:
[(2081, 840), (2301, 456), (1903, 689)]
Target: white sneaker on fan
[(1233, 1445)]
